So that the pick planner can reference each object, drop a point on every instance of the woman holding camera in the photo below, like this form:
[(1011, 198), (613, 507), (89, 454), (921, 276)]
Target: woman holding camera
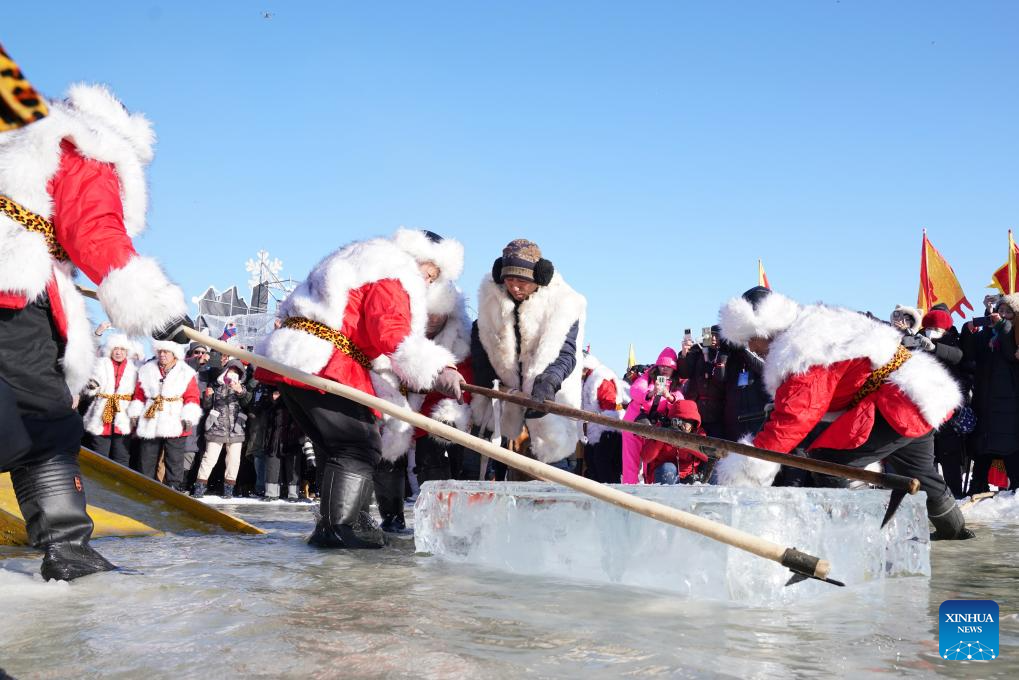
[(651, 394)]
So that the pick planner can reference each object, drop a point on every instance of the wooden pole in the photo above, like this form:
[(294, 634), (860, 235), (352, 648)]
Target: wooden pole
[(801, 563), (709, 446)]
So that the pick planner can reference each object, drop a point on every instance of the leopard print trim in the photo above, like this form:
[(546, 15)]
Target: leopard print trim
[(20, 104), (338, 339), (34, 223), (878, 377)]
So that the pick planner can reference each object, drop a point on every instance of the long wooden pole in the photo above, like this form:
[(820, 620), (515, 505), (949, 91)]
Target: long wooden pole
[(709, 446), (801, 563)]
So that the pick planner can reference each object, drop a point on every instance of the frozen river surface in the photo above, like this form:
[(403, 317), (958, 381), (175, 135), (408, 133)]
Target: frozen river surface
[(270, 606)]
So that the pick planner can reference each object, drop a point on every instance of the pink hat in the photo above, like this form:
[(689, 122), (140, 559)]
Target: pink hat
[(668, 358)]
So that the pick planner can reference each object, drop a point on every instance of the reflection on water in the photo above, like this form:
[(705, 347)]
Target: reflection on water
[(272, 607)]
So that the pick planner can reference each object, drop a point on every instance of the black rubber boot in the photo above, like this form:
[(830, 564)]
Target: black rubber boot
[(389, 490), (198, 490), (52, 502), (345, 521), (949, 523)]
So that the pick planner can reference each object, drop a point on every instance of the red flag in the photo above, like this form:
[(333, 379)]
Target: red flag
[(1006, 277)]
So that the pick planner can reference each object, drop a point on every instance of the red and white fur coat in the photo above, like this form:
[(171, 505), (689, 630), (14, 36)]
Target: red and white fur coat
[(104, 375), (180, 381)]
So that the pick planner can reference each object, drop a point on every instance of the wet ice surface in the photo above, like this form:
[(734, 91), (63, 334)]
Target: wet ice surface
[(227, 606), (545, 529)]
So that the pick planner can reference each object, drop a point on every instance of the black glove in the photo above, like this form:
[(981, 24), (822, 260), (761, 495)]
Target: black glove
[(541, 391), (173, 330)]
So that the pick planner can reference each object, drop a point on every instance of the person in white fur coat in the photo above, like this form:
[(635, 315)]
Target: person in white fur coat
[(111, 389), (166, 407), (366, 300), (603, 393), (847, 375), (72, 196), (529, 330), (449, 327)]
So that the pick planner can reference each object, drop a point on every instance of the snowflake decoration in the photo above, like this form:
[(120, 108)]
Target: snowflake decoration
[(261, 266)]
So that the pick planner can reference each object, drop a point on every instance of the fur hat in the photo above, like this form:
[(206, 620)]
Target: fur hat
[(442, 298), (522, 258), (914, 314), (117, 340), (1011, 300), (758, 313), (937, 318), (175, 347), (427, 246)]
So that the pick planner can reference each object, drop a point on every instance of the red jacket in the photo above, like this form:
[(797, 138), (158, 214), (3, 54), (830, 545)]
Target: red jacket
[(376, 320), (88, 220), (433, 398), (803, 399), (654, 453)]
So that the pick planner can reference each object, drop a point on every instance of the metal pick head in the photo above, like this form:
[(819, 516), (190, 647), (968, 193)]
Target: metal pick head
[(893, 504), (797, 577)]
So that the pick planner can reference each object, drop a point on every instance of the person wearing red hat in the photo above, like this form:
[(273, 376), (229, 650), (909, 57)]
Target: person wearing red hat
[(72, 196), (651, 394), (668, 464)]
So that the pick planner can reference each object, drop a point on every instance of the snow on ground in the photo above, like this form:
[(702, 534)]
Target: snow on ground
[(1002, 508)]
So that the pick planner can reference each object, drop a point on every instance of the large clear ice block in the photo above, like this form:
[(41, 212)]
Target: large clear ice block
[(548, 530)]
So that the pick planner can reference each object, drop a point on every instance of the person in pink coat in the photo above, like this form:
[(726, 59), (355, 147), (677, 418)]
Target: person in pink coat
[(651, 394)]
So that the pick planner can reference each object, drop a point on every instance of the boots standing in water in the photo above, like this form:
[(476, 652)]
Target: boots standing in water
[(72, 194)]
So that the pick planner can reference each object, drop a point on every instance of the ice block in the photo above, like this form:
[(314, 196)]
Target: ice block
[(548, 530)]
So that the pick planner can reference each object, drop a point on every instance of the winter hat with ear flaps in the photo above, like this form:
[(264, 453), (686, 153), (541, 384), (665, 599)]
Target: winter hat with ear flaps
[(914, 314), (522, 258), (758, 313)]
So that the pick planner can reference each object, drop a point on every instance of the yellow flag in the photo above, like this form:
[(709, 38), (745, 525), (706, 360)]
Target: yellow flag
[(632, 360), (762, 278), (938, 282)]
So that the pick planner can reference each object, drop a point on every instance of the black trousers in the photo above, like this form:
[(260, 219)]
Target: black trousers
[(290, 464), (909, 456), (605, 458), (114, 447), (345, 434), (174, 451)]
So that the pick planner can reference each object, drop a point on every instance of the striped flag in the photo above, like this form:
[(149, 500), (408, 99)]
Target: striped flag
[(228, 332)]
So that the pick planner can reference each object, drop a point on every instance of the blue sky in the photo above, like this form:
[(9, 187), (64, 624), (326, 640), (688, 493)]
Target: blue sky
[(653, 150)]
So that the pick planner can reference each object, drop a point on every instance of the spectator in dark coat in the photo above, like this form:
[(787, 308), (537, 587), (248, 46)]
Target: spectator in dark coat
[(996, 395), (224, 402)]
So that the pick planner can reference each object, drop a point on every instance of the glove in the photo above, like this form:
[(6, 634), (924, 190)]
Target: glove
[(173, 330), (910, 341), (186, 425), (541, 391), (924, 343), (450, 384)]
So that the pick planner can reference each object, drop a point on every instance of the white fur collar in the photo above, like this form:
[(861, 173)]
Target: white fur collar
[(822, 336)]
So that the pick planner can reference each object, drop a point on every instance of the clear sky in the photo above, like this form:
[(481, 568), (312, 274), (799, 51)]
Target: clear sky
[(653, 150)]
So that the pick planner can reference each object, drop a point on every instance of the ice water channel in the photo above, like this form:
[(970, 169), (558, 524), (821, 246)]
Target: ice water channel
[(232, 606)]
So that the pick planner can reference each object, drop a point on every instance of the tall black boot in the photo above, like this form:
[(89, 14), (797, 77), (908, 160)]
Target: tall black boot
[(345, 521), (389, 488), (949, 523), (53, 504)]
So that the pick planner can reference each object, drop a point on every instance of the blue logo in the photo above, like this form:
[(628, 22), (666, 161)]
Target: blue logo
[(968, 630)]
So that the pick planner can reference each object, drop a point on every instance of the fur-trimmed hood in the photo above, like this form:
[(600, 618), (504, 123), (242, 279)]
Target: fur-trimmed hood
[(456, 334), (589, 395), (177, 348), (1010, 300), (822, 336), (118, 340), (914, 314)]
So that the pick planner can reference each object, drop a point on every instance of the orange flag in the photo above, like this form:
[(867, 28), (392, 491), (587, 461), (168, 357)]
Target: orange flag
[(1006, 278), (938, 282), (762, 278)]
